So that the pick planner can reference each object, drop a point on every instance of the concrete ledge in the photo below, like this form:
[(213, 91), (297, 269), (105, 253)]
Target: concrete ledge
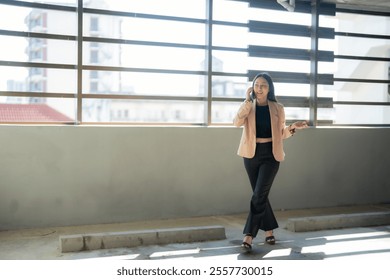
[(108, 240), (338, 221)]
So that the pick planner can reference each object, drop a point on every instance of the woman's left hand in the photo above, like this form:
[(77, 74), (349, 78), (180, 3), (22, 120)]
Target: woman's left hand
[(299, 125)]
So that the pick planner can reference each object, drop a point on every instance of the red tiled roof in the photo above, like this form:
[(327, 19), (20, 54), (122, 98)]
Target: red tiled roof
[(30, 113)]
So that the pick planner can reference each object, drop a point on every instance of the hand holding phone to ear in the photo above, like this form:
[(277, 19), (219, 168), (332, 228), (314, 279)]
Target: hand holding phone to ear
[(249, 96)]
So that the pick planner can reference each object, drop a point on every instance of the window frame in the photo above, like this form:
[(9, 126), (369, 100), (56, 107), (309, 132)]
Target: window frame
[(314, 78)]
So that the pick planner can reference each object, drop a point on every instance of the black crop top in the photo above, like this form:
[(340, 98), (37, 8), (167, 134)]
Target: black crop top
[(263, 122)]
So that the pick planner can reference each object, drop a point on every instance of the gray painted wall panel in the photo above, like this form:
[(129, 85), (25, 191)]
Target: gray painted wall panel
[(69, 175)]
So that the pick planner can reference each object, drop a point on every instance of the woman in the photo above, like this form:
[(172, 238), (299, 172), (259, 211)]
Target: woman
[(261, 146)]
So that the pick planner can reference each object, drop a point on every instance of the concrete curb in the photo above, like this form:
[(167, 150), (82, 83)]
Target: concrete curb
[(338, 221), (108, 240)]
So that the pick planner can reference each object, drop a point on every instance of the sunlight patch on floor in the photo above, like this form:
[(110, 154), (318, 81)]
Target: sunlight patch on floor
[(278, 253), (175, 253), (118, 257), (353, 235), (348, 248)]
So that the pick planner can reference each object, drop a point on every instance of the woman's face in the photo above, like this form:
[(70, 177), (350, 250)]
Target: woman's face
[(261, 88)]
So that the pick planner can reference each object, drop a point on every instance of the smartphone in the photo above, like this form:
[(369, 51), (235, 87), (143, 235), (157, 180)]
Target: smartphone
[(253, 96)]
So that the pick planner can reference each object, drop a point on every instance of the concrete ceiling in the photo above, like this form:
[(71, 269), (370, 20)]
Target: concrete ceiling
[(369, 5), (365, 4)]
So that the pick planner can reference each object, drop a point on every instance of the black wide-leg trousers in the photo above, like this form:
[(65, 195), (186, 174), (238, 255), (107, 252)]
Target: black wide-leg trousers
[(261, 169)]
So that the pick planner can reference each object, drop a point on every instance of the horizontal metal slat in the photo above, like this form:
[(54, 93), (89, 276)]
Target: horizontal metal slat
[(142, 70), (288, 53), (279, 28), (37, 35), (361, 35), (38, 5), (141, 43), (300, 7), (288, 29), (297, 78), (287, 101), (361, 103), (353, 80), (140, 15), (37, 65), (280, 53), (297, 101), (370, 58), (37, 94)]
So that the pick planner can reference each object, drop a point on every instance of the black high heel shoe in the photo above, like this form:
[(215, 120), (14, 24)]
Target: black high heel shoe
[(270, 240), (247, 246)]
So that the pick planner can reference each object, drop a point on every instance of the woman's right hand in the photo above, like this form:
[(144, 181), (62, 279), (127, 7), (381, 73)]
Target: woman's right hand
[(248, 93)]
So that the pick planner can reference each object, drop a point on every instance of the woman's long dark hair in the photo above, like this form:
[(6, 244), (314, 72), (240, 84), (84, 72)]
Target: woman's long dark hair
[(271, 94)]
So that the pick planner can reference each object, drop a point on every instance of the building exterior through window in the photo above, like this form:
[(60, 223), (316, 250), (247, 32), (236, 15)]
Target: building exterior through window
[(157, 64)]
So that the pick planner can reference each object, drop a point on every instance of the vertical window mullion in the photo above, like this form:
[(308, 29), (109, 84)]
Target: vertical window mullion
[(79, 117), (209, 60), (314, 62)]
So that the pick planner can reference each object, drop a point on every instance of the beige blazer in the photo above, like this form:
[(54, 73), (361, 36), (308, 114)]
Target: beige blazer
[(246, 115)]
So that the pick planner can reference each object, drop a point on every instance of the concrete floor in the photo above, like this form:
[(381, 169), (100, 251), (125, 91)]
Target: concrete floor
[(359, 243)]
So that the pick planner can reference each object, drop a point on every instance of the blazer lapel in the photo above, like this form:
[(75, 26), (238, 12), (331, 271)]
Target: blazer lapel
[(274, 114), (273, 110), (252, 118)]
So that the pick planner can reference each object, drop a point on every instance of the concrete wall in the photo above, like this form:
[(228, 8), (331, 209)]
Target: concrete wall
[(70, 175)]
